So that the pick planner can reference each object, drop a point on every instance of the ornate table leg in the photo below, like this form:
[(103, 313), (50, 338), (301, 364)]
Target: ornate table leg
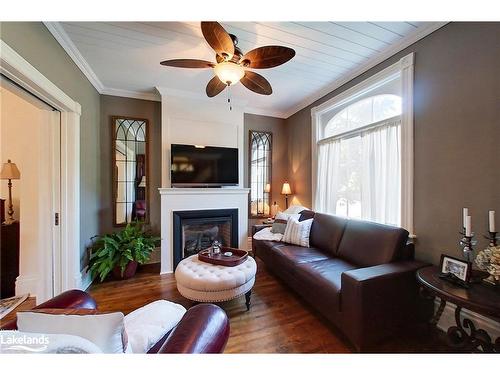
[(435, 319), (477, 339), (247, 299)]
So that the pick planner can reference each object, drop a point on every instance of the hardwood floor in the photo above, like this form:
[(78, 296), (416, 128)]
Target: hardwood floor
[(278, 320)]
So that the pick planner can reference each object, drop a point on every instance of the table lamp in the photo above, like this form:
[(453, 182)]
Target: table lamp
[(10, 172), (286, 191)]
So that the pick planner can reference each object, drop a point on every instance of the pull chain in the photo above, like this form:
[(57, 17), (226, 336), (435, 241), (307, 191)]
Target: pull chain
[(228, 95)]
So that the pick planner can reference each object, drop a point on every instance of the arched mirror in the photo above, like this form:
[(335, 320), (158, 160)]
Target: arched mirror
[(260, 154), (130, 170)]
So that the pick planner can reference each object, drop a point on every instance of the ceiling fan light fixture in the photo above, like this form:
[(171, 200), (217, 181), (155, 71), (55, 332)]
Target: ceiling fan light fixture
[(229, 72)]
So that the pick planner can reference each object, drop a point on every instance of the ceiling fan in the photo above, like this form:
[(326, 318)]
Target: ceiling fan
[(231, 64)]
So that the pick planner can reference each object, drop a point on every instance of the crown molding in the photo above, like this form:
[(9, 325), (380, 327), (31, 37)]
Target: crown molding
[(58, 32), (131, 94), (265, 112), (377, 59)]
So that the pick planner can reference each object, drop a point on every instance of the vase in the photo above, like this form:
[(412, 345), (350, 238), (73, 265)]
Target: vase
[(128, 272)]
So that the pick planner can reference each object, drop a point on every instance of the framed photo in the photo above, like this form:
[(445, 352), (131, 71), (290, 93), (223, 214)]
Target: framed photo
[(458, 267)]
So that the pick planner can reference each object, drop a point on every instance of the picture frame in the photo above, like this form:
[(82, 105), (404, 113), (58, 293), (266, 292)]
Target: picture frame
[(461, 269)]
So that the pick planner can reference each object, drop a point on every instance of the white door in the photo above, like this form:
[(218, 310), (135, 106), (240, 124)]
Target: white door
[(30, 135)]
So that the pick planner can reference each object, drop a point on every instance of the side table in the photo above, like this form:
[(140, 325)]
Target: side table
[(479, 298)]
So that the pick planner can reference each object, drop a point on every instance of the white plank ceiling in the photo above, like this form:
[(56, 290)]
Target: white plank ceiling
[(125, 56)]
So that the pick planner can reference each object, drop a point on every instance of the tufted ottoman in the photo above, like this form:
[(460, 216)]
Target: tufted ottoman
[(205, 282)]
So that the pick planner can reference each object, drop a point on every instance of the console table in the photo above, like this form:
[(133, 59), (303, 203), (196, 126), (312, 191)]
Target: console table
[(479, 298), (9, 258)]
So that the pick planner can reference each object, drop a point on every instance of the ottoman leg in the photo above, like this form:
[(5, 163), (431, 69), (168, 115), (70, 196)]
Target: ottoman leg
[(247, 299)]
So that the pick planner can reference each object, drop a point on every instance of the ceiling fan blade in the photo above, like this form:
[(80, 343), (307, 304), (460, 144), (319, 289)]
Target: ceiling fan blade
[(267, 57), (218, 38), (215, 86), (188, 63), (256, 83)]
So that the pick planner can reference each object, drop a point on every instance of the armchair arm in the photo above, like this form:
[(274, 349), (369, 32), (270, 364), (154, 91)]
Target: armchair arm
[(71, 299), (378, 300), (203, 329)]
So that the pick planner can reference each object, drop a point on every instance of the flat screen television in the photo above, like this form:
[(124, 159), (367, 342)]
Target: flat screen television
[(203, 166)]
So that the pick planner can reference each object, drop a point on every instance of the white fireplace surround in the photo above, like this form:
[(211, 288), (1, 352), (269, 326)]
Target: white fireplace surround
[(185, 199), (198, 120)]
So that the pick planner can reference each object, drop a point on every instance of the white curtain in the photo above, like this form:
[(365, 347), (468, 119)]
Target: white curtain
[(379, 167), (328, 177), (381, 173)]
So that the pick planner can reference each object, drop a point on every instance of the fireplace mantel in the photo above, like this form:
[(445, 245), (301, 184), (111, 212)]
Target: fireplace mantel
[(185, 199), (203, 191)]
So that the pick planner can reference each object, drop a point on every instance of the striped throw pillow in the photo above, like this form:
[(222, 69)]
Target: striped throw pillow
[(297, 233)]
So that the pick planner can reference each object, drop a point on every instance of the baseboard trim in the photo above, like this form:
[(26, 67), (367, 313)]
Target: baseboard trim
[(447, 320), (27, 284)]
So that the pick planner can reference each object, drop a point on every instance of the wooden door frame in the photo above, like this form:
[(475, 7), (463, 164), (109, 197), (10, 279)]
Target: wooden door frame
[(20, 71)]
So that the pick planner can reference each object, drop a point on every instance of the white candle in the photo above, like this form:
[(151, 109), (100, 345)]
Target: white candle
[(468, 226), (466, 213), (492, 221)]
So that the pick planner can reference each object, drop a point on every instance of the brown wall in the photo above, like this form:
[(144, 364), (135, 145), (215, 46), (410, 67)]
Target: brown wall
[(457, 132), (279, 155), (36, 44), (118, 106)]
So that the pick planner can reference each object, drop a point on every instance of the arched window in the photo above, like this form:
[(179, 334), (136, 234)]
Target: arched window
[(363, 112), (359, 161)]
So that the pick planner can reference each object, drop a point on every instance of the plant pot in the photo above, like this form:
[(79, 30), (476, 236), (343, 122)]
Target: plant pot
[(127, 273)]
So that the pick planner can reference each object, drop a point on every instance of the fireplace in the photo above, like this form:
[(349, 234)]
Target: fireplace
[(196, 230)]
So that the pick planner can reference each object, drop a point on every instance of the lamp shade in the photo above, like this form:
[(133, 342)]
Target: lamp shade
[(285, 190), (143, 182), (10, 171), (267, 189)]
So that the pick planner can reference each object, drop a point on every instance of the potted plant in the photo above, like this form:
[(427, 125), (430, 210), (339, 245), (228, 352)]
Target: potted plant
[(119, 253)]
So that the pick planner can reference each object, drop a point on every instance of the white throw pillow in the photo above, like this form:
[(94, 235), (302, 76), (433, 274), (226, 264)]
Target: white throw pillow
[(148, 324), (15, 342), (104, 330), (297, 232), (281, 220)]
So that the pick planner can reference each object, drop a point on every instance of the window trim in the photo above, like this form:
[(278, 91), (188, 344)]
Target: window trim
[(403, 69)]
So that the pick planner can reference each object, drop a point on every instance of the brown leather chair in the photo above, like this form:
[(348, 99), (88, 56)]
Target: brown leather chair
[(203, 329), (358, 274)]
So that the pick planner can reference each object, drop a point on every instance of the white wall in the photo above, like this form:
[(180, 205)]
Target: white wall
[(25, 139), (189, 119)]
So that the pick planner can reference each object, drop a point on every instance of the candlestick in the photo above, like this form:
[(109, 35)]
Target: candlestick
[(492, 237), (465, 214), (467, 242), (491, 217), (468, 226)]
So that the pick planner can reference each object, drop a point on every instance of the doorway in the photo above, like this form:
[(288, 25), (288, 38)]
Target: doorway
[(30, 136)]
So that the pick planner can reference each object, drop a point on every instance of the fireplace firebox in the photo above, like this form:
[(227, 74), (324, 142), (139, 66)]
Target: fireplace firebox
[(196, 230)]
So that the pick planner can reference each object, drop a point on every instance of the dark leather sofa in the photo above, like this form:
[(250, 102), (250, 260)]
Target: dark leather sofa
[(360, 275), (203, 329)]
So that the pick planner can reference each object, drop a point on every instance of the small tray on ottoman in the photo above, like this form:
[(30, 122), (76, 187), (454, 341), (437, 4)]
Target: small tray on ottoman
[(238, 257)]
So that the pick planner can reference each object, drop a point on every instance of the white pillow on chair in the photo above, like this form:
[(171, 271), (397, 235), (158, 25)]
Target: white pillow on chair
[(104, 330), (297, 232)]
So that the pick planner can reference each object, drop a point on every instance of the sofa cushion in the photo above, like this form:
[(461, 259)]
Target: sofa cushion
[(325, 276), (369, 244), (293, 254), (326, 232)]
